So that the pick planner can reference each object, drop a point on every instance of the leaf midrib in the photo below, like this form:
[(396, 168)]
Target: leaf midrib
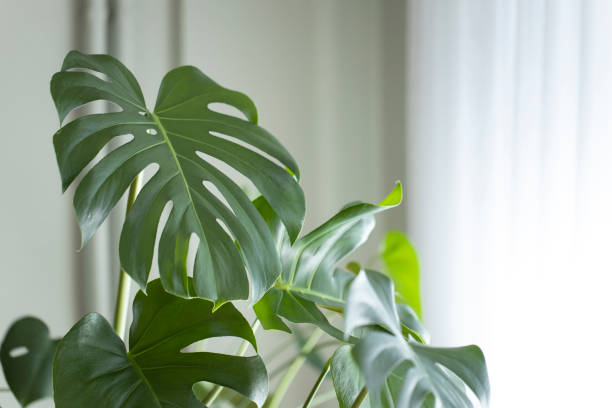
[(342, 226), (306, 291), (144, 378), (179, 168)]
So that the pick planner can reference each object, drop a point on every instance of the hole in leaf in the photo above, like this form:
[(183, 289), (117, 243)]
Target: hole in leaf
[(226, 109), (194, 243), (238, 178), (196, 347), (215, 191), (165, 214), (97, 106), (97, 74), (113, 144), (18, 352), (148, 172), (225, 228), (248, 146), (223, 345)]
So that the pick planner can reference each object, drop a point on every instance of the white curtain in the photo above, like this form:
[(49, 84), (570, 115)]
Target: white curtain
[(510, 175)]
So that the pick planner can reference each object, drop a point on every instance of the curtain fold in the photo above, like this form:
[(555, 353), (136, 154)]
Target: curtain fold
[(509, 187)]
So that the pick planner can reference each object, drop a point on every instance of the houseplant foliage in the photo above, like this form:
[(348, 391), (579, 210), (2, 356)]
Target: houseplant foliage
[(245, 250)]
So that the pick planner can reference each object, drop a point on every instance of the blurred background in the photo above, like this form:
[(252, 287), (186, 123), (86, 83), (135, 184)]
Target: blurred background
[(495, 114)]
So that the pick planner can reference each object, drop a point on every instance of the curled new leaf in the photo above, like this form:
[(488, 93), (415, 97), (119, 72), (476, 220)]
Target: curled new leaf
[(92, 364), (27, 355), (185, 139), (310, 276)]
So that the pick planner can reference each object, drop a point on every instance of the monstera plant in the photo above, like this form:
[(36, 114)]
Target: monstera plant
[(248, 250)]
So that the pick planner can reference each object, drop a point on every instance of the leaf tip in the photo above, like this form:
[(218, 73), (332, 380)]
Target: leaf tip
[(86, 235), (218, 304), (395, 196)]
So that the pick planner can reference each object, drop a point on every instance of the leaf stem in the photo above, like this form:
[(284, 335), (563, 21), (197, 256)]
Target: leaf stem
[(123, 290), (293, 369), (216, 390), (212, 395), (317, 385), (360, 398), (286, 363)]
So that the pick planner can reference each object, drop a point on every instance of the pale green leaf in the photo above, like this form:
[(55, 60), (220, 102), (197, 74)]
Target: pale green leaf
[(403, 373), (401, 264)]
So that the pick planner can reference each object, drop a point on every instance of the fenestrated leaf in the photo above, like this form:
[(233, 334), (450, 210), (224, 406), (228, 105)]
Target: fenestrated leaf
[(309, 273), (27, 356), (181, 126), (401, 373), (348, 383), (92, 364), (401, 264)]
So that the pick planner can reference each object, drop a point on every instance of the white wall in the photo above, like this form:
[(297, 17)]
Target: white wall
[(36, 245), (510, 184), (314, 70)]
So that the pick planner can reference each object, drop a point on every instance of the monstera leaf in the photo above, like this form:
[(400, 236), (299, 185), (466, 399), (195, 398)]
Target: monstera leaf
[(401, 373), (401, 264), (309, 274), (184, 138), (27, 356), (92, 365), (348, 383)]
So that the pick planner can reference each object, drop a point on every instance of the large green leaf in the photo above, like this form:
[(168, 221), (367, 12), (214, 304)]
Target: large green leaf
[(27, 356), (92, 365), (401, 264), (309, 274), (185, 138), (418, 373)]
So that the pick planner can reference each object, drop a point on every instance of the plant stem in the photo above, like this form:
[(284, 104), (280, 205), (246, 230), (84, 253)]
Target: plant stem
[(293, 369), (212, 395), (279, 369), (216, 390), (123, 291), (315, 388), (360, 398)]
